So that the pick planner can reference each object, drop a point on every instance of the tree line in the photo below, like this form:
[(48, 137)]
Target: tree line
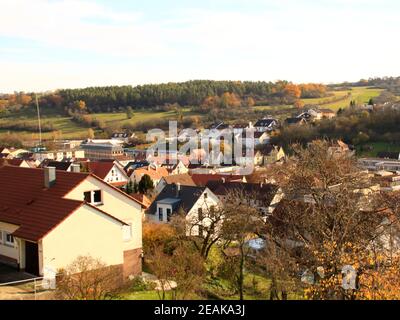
[(190, 93)]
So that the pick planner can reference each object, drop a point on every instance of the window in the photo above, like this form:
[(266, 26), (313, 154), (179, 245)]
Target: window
[(93, 197), (127, 232), (97, 197), (9, 239), (205, 195), (200, 213), (168, 214), (1, 236), (87, 196), (160, 214)]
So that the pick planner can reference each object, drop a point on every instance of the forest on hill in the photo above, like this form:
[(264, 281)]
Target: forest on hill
[(191, 93)]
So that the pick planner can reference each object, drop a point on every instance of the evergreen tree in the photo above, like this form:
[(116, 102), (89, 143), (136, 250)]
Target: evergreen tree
[(145, 184)]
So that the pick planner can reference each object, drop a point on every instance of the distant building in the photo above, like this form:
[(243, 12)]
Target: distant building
[(99, 151), (59, 155), (174, 198), (122, 136), (266, 124)]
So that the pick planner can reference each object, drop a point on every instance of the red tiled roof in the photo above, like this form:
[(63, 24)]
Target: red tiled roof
[(203, 179), (11, 162), (24, 200), (141, 198), (100, 168)]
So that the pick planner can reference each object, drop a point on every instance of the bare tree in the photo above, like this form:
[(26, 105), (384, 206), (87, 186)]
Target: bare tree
[(330, 217), (87, 278)]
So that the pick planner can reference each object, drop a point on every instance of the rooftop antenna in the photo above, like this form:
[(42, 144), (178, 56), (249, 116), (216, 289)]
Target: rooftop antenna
[(40, 126)]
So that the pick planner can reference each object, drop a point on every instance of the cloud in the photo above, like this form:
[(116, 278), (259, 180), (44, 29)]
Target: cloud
[(331, 40)]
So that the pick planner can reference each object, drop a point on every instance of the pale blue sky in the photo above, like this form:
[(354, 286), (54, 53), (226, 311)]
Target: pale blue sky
[(50, 44)]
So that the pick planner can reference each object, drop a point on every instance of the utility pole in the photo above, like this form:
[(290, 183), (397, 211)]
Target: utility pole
[(40, 126)]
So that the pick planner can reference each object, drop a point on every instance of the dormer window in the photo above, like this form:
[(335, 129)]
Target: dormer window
[(93, 197)]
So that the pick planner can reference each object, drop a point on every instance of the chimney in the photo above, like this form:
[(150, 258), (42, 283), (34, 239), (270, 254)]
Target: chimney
[(178, 189), (49, 177), (75, 168)]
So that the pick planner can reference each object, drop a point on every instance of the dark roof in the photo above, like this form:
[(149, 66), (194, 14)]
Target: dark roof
[(294, 120), (63, 166), (187, 197), (260, 191), (120, 135), (216, 125), (388, 155), (264, 122), (136, 164)]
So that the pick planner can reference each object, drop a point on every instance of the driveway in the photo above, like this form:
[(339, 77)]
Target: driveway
[(9, 274)]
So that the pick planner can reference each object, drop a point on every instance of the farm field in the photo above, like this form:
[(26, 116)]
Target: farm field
[(69, 129)]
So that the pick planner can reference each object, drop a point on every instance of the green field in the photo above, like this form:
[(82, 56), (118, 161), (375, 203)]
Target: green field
[(360, 95), (375, 148), (72, 130)]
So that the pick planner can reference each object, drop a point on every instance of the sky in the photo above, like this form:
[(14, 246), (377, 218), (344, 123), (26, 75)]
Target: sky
[(53, 44)]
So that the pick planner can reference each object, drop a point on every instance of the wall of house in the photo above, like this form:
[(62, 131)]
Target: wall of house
[(205, 204), (85, 232), (9, 251), (117, 205), (116, 176)]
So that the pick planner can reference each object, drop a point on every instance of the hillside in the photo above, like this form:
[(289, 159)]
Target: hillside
[(64, 127)]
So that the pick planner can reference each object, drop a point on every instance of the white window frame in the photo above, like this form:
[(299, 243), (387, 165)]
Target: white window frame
[(92, 197), (1, 237), (9, 243), (127, 232)]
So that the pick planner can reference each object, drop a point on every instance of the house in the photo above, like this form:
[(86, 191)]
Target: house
[(377, 164), (154, 171), (174, 198), (98, 150), (240, 128), (178, 168), (17, 163), (184, 179), (323, 114), (269, 154), (48, 218), (317, 114), (258, 195), (109, 171), (266, 124), (12, 152), (122, 137), (60, 165), (59, 155)]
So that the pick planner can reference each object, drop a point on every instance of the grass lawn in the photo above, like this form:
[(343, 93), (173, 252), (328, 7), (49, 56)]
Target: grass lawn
[(72, 130), (360, 94), (376, 148)]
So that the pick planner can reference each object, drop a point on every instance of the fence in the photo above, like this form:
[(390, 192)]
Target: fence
[(28, 288)]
